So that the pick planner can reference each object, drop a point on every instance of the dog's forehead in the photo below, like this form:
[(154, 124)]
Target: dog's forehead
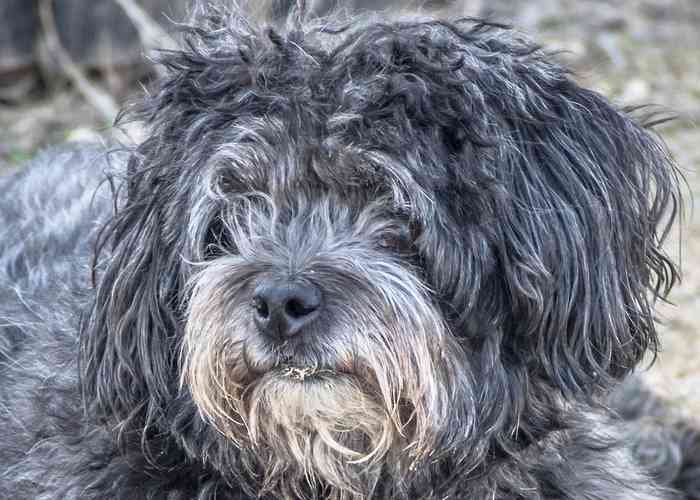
[(386, 108), (303, 150)]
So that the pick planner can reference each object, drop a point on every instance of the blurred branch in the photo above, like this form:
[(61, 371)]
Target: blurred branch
[(151, 34), (102, 101)]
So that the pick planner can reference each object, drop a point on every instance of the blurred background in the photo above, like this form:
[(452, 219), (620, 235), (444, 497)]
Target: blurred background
[(67, 65)]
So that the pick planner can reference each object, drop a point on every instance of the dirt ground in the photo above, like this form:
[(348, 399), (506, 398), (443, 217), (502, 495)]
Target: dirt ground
[(635, 52)]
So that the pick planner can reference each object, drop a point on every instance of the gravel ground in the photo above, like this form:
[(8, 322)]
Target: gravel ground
[(635, 52), (676, 373)]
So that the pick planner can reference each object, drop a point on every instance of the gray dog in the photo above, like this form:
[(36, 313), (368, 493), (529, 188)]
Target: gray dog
[(352, 260)]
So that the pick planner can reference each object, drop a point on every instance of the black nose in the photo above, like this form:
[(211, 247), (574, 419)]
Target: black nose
[(284, 308)]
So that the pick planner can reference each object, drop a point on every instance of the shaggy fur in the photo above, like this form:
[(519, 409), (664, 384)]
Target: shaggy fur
[(484, 236)]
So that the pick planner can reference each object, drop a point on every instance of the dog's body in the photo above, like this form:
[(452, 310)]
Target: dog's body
[(398, 260)]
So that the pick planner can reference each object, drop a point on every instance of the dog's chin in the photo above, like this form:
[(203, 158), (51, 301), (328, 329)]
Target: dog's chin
[(309, 427), (306, 394), (313, 401)]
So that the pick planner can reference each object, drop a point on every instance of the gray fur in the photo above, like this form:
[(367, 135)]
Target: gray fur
[(486, 234)]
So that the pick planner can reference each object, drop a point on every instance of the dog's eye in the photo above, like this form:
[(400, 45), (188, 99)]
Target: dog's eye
[(389, 243), (396, 239), (218, 242)]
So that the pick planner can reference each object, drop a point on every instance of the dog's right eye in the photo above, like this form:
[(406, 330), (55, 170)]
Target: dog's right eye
[(396, 238), (389, 242), (218, 242)]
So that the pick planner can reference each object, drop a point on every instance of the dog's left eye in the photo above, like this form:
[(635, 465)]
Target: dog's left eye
[(396, 239), (388, 242)]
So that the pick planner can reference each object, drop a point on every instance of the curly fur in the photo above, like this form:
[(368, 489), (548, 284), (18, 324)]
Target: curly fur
[(486, 233)]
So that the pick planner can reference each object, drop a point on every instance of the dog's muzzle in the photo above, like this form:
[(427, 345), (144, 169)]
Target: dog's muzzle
[(313, 346)]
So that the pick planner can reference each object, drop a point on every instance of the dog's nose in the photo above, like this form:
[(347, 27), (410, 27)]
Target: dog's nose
[(283, 309)]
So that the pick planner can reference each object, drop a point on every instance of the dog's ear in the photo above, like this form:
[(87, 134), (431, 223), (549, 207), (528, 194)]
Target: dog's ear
[(575, 200), (587, 197), (131, 338)]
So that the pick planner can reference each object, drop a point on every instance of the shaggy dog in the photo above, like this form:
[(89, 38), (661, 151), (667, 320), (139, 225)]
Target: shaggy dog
[(351, 261)]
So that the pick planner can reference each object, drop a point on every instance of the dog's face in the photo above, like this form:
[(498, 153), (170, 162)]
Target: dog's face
[(351, 260)]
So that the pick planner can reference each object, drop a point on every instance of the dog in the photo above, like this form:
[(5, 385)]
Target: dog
[(351, 260)]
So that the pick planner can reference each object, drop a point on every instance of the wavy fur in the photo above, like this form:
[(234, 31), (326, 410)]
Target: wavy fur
[(487, 235)]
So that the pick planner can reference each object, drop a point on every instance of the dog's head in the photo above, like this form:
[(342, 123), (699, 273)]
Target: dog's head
[(361, 256)]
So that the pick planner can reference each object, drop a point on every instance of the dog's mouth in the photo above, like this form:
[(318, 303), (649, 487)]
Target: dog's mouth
[(304, 373), (300, 363)]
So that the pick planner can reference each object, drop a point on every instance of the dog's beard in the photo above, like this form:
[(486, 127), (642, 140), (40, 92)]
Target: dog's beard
[(370, 406)]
